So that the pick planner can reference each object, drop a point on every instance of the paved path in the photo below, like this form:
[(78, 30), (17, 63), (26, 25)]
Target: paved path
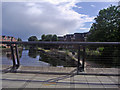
[(50, 80)]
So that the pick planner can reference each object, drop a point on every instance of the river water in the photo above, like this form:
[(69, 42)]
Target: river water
[(35, 58), (25, 59)]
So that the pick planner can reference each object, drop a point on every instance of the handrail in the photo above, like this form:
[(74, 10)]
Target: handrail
[(80, 67), (61, 42)]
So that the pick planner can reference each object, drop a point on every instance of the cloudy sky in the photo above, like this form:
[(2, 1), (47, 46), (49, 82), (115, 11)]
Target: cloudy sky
[(24, 19)]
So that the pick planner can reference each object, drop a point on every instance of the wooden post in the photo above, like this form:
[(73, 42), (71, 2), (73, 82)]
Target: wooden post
[(13, 57), (17, 55)]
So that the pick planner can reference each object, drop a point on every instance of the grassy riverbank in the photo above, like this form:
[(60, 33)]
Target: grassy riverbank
[(57, 58)]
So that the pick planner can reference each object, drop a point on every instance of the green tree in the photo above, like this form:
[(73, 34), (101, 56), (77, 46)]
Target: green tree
[(54, 38), (43, 37), (107, 29), (19, 39), (106, 26), (48, 37), (32, 38), (19, 45)]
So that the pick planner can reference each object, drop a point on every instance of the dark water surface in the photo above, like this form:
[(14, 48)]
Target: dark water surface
[(25, 59), (36, 58)]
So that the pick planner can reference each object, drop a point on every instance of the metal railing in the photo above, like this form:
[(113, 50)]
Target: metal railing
[(79, 45), (60, 42)]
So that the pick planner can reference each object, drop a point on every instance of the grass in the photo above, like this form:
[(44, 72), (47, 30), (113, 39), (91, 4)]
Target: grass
[(44, 49)]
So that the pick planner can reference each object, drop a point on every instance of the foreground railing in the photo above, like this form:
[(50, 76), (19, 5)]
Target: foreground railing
[(77, 45)]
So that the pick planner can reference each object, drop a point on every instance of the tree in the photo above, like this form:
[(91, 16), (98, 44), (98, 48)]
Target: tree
[(107, 29), (43, 37), (19, 39), (106, 26), (49, 37), (54, 38), (32, 38)]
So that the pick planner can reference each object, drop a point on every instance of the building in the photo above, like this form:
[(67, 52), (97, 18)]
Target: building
[(68, 37), (7, 38), (74, 37), (60, 38), (80, 37)]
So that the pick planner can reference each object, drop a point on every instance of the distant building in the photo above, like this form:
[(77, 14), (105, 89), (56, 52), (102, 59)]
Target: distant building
[(80, 36), (60, 38), (68, 37), (74, 37), (7, 38)]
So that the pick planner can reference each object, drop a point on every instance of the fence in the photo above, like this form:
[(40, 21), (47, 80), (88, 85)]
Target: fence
[(88, 54)]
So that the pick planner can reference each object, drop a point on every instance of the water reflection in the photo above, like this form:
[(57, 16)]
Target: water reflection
[(27, 58), (33, 53), (34, 57), (57, 60), (8, 54)]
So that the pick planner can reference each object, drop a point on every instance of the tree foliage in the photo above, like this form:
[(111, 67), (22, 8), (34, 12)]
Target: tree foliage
[(107, 29), (43, 37), (19, 39), (49, 37), (107, 26), (32, 38), (54, 38)]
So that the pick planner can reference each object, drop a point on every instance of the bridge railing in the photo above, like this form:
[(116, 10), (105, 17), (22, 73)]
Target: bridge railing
[(84, 51)]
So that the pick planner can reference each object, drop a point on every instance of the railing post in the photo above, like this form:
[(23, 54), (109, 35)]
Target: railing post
[(17, 55), (78, 65), (13, 57), (83, 60)]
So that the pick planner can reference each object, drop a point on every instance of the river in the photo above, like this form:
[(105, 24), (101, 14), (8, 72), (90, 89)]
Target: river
[(25, 59), (33, 58)]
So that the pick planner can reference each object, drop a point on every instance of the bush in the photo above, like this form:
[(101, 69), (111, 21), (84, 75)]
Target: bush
[(3, 46)]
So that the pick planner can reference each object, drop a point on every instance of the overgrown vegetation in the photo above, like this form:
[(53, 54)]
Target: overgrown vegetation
[(107, 29)]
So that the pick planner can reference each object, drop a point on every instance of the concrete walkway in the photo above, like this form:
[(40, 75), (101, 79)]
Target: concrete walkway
[(50, 80)]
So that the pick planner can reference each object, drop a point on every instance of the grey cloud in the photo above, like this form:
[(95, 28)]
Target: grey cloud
[(23, 20)]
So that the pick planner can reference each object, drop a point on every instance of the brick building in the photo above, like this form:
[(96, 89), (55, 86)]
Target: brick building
[(74, 37), (80, 37), (7, 38)]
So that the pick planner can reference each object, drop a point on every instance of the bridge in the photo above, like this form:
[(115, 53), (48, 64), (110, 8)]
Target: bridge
[(74, 77)]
